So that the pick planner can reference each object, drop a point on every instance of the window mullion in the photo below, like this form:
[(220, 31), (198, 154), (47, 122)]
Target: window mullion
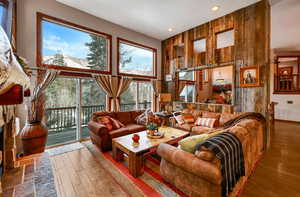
[(137, 96)]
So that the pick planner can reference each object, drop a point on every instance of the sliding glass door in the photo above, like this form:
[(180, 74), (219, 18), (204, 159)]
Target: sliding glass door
[(70, 103)]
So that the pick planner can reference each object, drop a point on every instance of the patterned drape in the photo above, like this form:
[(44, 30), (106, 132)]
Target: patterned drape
[(36, 104), (114, 87)]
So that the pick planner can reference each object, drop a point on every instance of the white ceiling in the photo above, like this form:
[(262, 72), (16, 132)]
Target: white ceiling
[(155, 17), (285, 25)]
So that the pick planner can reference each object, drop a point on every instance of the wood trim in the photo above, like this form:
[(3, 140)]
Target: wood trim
[(4, 2), (41, 17), (154, 50), (288, 121)]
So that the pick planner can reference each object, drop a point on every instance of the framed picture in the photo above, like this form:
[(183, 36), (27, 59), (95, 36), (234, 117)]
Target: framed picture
[(249, 76)]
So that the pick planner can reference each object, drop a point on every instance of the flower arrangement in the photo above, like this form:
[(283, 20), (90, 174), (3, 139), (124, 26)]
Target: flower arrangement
[(151, 126)]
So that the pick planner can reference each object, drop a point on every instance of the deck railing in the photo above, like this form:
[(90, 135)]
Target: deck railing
[(61, 118)]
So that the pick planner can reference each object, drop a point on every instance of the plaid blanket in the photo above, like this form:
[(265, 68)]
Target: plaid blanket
[(229, 150)]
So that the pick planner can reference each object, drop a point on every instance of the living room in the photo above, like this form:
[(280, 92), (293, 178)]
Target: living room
[(149, 98)]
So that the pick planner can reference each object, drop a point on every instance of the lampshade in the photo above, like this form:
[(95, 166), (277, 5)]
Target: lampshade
[(165, 97)]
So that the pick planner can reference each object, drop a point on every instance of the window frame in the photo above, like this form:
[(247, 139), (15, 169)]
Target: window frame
[(128, 42), (39, 45), (138, 81), (223, 31), (4, 4)]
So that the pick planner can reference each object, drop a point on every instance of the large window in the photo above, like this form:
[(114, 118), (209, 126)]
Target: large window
[(137, 96), (68, 46), (135, 59), (3, 6), (188, 91)]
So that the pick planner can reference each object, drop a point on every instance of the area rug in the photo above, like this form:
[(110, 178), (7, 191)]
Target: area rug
[(64, 149), (149, 184)]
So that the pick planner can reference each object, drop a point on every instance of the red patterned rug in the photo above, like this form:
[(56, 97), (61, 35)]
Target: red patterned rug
[(149, 184)]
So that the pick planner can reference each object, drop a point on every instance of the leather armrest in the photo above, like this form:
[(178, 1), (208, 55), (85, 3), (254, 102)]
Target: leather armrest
[(97, 128), (190, 163)]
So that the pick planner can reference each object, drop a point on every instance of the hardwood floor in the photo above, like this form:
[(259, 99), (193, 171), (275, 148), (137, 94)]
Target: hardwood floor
[(278, 173), (77, 173)]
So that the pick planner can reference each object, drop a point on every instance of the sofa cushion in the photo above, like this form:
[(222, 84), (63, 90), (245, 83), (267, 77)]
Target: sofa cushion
[(124, 117), (206, 122), (186, 127), (105, 120), (135, 114), (97, 114), (134, 128), (178, 118), (214, 115), (225, 117), (116, 123), (143, 117), (120, 132), (188, 118), (196, 130), (189, 144)]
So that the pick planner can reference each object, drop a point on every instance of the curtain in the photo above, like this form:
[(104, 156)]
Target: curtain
[(37, 102), (114, 87), (124, 84), (156, 85)]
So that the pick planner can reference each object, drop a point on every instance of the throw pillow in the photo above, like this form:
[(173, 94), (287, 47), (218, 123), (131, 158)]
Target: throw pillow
[(105, 120), (214, 115), (188, 118), (116, 123), (143, 118), (189, 144), (206, 122), (178, 118)]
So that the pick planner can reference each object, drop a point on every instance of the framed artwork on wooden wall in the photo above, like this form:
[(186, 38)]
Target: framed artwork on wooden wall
[(249, 76)]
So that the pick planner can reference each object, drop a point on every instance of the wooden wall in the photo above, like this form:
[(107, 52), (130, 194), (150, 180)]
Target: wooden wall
[(252, 37)]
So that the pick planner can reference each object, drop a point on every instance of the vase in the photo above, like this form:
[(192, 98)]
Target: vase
[(151, 132), (34, 137), (136, 138)]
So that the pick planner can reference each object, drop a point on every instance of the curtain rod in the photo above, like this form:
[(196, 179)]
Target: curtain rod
[(93, 74)]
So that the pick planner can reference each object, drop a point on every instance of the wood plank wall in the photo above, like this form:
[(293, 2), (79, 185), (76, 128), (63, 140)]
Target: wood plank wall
[(252, 37)]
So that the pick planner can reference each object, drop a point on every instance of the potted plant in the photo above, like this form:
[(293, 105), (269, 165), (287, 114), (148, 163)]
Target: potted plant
[(152, 128)]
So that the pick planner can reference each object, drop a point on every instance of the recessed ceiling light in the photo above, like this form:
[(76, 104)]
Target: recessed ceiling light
[(215, 8), (170, 29)]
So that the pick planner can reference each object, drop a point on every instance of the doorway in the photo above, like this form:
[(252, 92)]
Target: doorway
[(70, 103)]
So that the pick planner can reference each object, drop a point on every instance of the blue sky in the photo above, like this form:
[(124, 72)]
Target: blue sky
[(1, 13), (71, 42)]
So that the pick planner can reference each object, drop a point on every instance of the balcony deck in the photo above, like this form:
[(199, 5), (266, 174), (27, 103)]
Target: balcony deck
[(65, 135)]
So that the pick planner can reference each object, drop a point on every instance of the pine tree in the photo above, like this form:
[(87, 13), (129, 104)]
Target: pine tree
[(58, 59), (125, 57), (97, 58)]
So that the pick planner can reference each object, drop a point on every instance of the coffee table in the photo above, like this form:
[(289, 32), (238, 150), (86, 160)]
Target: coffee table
[(146, 146)]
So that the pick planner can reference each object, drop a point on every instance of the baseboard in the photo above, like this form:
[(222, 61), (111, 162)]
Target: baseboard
[(288, 121)]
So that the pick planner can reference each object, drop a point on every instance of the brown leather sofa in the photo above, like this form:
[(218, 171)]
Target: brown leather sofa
[(100, 135), (199, 175), (196, 130)]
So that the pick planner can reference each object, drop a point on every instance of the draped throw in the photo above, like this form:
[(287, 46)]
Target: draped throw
[(114, 87), (36, 104)]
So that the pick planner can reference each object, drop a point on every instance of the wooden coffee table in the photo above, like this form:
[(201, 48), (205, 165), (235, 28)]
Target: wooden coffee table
[(146, 146)]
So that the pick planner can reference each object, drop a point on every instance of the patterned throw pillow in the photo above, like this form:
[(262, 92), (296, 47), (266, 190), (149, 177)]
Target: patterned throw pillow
[(116, 123), (178, 118), (189, 144), (206, 122), (105, 120), (143, 118), (188, 118)]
